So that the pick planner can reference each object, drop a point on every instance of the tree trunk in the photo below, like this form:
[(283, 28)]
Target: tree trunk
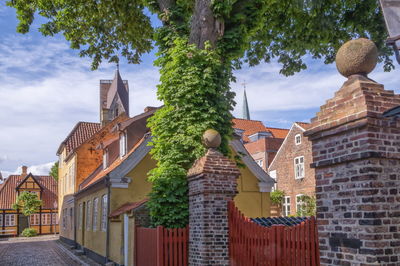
[(205, 27)]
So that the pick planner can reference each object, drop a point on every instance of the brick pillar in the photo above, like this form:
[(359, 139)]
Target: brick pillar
[(356, 154), (212, 183)]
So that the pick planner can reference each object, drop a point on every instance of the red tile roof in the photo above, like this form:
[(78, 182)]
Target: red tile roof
[(79, 134), (101, 174), (251, 127), (8, 191), (279, 133), (263, 145), (127, 207)]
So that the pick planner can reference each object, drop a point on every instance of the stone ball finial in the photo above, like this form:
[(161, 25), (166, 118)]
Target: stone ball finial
[(357, 57), (211, 138)]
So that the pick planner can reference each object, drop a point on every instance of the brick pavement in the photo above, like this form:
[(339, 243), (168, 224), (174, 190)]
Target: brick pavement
[(44, 250)]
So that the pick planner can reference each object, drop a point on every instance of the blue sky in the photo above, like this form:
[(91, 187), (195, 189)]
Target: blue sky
[(46, 88)]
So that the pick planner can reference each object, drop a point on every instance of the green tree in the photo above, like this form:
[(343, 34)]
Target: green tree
[(28, 203), (308, 206), (200, 43), (54, 171)]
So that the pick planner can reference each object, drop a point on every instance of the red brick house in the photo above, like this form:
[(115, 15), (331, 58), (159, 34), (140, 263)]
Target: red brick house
[(291, 168), (260, 141)]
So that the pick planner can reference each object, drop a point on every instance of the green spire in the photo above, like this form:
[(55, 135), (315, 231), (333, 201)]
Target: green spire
[(245, 111)]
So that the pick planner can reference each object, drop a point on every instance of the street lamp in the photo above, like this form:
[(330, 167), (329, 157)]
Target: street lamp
[(391, 13)]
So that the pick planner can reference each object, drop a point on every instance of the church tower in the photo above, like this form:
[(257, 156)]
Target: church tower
[(245, 111), (114, 98)]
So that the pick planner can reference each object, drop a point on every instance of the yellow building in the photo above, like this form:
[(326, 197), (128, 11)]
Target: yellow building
[(111, 201), (80, 153), (45, 221)]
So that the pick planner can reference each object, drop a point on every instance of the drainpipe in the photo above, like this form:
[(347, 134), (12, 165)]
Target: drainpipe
[(126, 238), (108, 184), (75, 222)]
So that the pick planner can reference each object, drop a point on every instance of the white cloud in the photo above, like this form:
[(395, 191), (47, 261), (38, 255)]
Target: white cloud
[(41, 169)]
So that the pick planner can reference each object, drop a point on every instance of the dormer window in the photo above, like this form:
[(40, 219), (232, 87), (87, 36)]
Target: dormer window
[(297, 139), (259, 135), (105, 159), (122, 144)]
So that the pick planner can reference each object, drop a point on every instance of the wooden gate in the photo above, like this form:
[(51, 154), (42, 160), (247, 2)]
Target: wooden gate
[(161, 246), (253, 244)]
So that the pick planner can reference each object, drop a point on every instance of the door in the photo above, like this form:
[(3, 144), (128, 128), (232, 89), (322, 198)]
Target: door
[(22, 223)]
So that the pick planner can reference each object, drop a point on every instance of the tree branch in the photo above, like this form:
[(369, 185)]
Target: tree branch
[(165, 4)]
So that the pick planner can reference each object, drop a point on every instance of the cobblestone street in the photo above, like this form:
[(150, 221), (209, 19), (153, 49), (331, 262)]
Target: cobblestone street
[(44, 250)]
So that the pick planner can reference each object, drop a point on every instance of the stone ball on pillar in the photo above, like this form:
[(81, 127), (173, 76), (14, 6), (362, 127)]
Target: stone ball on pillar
[(357, 56), (211, 138)]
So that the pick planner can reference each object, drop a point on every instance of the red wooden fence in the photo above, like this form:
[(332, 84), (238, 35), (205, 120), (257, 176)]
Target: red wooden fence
[(161, 246), (253, 244)]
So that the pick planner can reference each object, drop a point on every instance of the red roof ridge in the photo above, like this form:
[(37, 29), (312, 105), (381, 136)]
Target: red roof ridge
[(247, 119)]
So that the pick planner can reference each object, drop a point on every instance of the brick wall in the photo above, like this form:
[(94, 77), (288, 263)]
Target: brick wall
[(357, 159), (212, 183), (283, 164)]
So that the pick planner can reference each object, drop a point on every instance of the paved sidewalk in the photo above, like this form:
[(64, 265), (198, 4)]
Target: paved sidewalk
[(41, 250)]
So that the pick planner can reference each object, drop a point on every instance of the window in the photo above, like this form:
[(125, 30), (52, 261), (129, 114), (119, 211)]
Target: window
[(10, 220), (65, 183), (286, 206), (34, 219), (273, 175), (299, 167), (104, 213), (46, 219), (1, 219), (95, 213), (88, 215), (297, 139), (260, 163), (54, 218), (122, 144), (105, 158), (64, 219), (299, 204), (80, 216), (71, 216)]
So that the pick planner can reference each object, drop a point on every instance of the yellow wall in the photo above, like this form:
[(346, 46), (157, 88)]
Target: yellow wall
[(65, 188), (249, 200), (93, 240), (137, 190)]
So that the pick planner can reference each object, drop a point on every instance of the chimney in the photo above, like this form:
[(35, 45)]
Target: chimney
[(24, 171)]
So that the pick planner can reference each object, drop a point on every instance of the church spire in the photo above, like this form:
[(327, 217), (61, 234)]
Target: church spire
[(245, 111)]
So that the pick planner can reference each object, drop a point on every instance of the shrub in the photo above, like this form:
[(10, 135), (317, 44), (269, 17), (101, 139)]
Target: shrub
[(29, 232), (277, 197)]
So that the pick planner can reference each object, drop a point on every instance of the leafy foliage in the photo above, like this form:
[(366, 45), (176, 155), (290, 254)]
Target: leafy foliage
[(54, 171), (28, 203), (195, 81), (308, 206), (195, 90), (277, 197), (29, 232)]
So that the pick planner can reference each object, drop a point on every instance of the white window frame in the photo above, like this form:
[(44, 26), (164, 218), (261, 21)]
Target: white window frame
[(104, 213), (260, 162), (54, 218), (95, 213), (298, 202), (46, 219), (35, 219), (105, 158), (122, 144), (10, 220), (273, 175), (295, 139), (299, 167), (80, 214), (88, 215), (286, 206)]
